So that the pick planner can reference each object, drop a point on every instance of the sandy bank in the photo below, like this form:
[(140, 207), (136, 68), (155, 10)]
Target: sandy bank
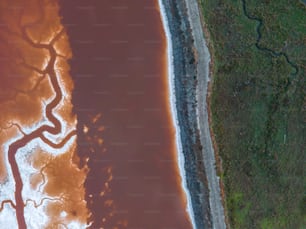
[(191, 69)]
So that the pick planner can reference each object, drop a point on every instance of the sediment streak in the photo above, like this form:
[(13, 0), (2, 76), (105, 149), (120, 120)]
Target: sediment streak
[(52, 135)]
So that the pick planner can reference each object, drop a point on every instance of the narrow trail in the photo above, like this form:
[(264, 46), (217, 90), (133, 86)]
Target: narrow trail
[(217, 210), (37, 133)]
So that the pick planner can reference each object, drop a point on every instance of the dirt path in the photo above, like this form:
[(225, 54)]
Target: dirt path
[(217, 211)]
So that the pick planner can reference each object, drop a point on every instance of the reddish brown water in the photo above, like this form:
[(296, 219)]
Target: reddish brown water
[(36, 106), (124, 132), (119, 69)]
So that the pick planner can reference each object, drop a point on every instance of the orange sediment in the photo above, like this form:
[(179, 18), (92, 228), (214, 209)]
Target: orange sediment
[(124, 153), (121, 85), (38, 156)]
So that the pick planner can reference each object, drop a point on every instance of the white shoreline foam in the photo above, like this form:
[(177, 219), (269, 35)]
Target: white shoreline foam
[(171, 76)]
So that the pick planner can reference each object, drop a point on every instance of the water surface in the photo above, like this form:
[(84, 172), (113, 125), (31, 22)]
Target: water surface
[(125, 130)]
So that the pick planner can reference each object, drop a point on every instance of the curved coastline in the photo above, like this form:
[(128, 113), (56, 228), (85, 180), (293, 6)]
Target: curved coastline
[(171, 77), (188, 59)]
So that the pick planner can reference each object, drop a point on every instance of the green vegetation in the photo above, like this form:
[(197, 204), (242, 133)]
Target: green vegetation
[(258, 106)]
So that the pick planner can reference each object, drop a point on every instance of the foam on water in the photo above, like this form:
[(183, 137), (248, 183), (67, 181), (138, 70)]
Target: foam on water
[(181, 161)]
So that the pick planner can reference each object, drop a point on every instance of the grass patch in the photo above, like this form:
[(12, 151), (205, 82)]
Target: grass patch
[(258, 107)]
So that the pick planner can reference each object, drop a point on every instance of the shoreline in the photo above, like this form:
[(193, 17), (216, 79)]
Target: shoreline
[(192, 88), (185, 84), (171, 77)]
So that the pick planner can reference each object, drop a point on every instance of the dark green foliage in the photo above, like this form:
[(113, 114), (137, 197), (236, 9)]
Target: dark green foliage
[(258, 105)]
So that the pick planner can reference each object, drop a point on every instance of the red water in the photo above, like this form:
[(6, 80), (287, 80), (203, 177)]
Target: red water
[(36, 88), (125, 133), (119, 68)]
